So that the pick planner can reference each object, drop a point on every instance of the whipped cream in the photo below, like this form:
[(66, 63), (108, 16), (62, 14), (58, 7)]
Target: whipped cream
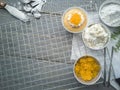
[(96, 36)]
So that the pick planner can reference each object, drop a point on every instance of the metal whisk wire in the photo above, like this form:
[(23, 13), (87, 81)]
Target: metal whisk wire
[(110, 66), (105, 81)]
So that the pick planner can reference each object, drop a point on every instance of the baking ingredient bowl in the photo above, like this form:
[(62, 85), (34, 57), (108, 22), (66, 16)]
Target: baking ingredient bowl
[(87, 70), (109, 13), (74, 19), (96, 36)]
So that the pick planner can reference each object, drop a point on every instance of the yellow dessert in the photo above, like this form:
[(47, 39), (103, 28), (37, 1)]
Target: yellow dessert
[(87, 68), (74, 20)]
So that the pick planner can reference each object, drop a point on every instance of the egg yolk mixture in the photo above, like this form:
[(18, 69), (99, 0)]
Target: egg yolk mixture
[(87, 68), (75, 19)]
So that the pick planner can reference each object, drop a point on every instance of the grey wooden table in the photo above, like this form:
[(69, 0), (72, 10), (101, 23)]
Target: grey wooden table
[(36, 55)]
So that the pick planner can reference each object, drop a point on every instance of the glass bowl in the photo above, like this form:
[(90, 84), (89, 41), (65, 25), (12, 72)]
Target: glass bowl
[(87, 70)]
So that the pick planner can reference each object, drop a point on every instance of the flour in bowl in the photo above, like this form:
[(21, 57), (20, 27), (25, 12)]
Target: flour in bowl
[(110, 14)]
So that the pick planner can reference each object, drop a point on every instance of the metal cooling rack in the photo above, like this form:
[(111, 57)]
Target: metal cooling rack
[(36, 55)]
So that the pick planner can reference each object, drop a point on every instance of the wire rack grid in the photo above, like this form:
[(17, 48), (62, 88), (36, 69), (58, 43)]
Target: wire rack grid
[(36, 55)]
